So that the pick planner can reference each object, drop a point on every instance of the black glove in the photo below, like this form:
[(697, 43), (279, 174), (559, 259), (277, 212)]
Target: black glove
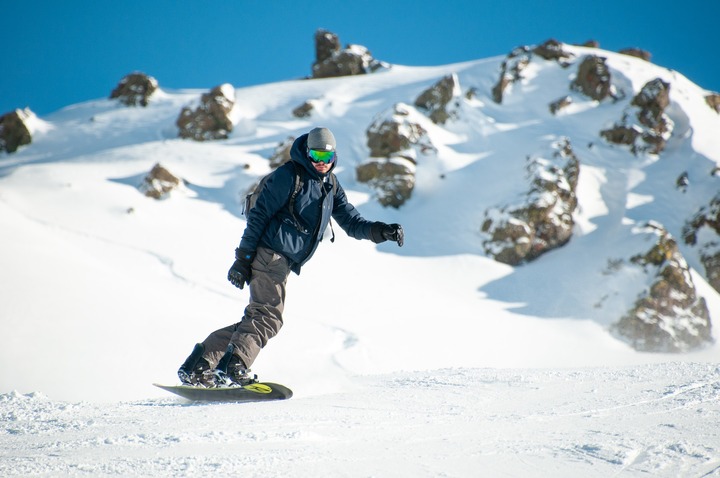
[(240, 272), (381, 232)]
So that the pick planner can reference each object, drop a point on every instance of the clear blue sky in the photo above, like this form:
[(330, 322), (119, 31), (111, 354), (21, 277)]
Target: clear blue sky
[(59, 52)]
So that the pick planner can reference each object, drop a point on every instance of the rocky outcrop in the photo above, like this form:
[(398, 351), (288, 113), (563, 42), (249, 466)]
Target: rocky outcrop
[(669, 316), (398, 133), (332, 61), (435, 100), (304, 110), (593, 78), (14, 131), (703, 231), (713, 101), (327, 44), (511, 71), (560, 104), (518, 59), (135, 89), (544, 220), (396, 140), (392, 179), (652, 101), (281, 155), (637, 53), (590, 44), (653, 127), (159, 183), (210, 120), (553, 50)]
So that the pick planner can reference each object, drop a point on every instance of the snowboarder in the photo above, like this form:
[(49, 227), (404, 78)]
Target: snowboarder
[(284, 228)]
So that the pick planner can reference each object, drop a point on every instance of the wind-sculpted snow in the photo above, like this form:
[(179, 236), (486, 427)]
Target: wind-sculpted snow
[(655, 420)]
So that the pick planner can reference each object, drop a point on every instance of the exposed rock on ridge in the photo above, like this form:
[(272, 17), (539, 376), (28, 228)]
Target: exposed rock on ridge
[(396, 139), (669, 316), (332, 61), (435, 100), (135, 89), (210, 120), (703, 231), (518, 59), (14, 131), (593, 78), (544, 220), (653, 127), (160, 182)]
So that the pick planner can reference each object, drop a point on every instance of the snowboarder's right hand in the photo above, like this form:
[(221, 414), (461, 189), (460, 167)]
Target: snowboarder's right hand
[(241, 270)]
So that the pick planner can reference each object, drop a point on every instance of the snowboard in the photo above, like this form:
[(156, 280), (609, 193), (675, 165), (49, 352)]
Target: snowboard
[(254, 392)]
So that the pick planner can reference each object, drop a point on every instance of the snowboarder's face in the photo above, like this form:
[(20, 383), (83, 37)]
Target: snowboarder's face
[(322, 168), (321, 160)]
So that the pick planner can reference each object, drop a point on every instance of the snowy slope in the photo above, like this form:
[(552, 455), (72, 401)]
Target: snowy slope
[(629, 421), (105, 291)]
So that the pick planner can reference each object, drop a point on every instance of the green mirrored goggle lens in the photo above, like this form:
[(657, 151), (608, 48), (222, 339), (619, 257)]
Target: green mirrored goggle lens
[(318, 156)]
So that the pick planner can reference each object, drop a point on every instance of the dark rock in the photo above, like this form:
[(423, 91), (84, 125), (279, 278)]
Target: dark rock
[(396, 140), (652, 101), (518, 59), (511, 71), (590, 44), (619, 134), (326, 45), (282, 153), (14, 131), (210, 120), (135, 89), (707, 218), (682, 182), (435, 99), (304, 110), (394, 134), (713, 101), (669, 316), (593, 78), (653, 127), (392, 179), (560, 104), (160, 182), (553, 50), (544, 221), (637, 53), (331, 61), (510, 238), (710, 258)]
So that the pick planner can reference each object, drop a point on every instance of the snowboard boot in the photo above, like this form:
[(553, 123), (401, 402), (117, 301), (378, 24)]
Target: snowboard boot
[(231, 371), (194, 371)]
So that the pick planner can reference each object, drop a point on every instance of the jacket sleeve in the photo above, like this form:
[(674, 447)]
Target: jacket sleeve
[(271, 199), (348, 217)]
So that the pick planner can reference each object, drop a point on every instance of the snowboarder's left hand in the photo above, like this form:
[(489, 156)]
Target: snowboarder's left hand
[(241, 270), (382, 232)]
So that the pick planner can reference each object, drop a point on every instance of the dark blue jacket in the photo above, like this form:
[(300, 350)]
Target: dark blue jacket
[(271, 225)]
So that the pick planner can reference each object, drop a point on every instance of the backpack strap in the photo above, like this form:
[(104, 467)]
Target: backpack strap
[(296, 190), (333, 180)]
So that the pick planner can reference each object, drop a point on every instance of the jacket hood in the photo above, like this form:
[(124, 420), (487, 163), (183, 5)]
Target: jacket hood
[(298, 153)]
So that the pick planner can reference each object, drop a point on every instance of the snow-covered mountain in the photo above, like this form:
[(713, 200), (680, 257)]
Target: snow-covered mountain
[(106, 290)]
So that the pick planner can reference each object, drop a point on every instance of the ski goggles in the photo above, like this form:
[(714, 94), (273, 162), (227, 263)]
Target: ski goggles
[(318, 156)]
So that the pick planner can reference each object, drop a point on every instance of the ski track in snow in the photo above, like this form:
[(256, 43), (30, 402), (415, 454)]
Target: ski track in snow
[(166, 261), (653, 420)]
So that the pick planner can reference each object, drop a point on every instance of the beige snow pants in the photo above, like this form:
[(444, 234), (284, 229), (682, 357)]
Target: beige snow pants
[(263, 314)]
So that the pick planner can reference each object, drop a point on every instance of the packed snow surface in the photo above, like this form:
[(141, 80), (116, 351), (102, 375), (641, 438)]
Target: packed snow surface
[(426, 360)]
